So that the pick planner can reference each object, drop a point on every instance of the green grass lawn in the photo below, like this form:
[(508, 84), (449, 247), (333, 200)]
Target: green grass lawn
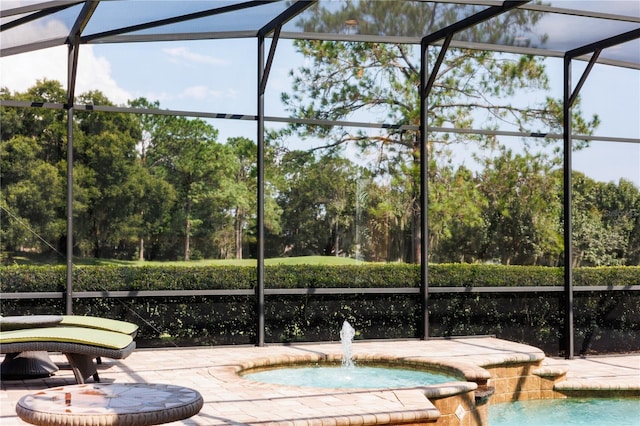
[(36, 259), (302, 260)]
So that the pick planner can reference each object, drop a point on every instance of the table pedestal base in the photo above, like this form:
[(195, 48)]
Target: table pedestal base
[(27, 365)]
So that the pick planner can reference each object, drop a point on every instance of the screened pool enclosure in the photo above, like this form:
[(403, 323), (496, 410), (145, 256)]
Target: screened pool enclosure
[(590, 33)]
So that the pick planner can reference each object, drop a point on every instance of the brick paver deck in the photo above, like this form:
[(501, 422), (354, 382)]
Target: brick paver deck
[(229, 399)]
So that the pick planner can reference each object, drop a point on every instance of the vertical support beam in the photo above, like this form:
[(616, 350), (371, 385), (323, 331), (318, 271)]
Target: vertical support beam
[(569, 98), (72, 66), (426, 83), (69, 287), (274, 25), (568, 182), (424, 189), (260, 200)]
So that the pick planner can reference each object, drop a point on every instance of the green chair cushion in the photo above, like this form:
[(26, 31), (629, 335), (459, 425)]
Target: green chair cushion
[(79, 335), (29, 321), (99, 323)]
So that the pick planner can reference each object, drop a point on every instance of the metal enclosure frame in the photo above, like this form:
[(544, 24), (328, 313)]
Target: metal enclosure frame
[(444, 37)]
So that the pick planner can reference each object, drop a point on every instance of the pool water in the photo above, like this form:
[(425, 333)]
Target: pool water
[(567, 412), (353, 377)]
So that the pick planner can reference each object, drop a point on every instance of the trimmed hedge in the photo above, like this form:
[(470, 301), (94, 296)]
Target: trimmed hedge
[(604, 321), (112, 278)]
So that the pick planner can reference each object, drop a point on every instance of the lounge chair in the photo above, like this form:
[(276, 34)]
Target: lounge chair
[(101, 324), (38, 321), (79, 344)]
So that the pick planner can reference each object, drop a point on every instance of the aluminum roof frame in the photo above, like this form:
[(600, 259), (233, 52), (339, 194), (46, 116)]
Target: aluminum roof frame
[(14, 18), (311, 121)]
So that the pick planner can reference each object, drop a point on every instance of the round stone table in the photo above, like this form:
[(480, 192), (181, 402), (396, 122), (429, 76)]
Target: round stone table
[(131, 404)]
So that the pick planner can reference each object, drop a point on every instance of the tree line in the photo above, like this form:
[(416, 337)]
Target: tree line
[(164, 187), (161, 187)]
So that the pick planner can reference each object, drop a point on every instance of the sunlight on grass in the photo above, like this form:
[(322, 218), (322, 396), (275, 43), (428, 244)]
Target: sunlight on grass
[(30, 259), (302, 260)]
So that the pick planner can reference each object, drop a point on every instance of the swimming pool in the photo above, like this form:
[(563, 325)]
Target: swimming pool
[(567, 412), (353, 377)]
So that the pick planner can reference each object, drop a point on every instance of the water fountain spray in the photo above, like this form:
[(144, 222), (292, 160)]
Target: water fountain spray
[(346, 337)]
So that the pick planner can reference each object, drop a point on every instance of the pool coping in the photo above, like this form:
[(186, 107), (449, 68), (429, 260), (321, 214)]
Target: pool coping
[(229, 399)]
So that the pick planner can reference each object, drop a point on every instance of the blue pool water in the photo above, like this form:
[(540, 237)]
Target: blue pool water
[(354, 377), (567, 412)]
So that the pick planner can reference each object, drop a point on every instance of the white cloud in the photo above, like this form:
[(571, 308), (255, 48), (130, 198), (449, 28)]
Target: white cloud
[(195, 92), (34, 31), (94, 73), (20, 72), (176, 54)]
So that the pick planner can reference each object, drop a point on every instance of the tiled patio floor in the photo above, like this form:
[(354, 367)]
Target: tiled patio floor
[(231, 400)]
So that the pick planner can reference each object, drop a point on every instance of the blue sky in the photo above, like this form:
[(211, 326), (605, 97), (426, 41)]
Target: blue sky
[(219, 76)]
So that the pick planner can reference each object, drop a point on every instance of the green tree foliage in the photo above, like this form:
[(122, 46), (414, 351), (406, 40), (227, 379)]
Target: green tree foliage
[(187, 155), (472, 89), (384, 219), (49, 126), (158, 196), (458, 195), (605, 222), (153, 186), (106, 154), (242, 190), (32, 174), (241, 198), (620, 205), (32, 196), (135, 177), (522, 214), (318, 204)]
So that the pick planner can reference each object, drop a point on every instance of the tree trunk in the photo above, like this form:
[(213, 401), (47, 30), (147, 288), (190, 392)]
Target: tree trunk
[(186, 240), (337, 239), (238, 229), (141, 250), (416, 240), (187, 233)]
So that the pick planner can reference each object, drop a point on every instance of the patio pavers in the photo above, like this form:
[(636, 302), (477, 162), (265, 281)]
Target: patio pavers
[(229, 399)]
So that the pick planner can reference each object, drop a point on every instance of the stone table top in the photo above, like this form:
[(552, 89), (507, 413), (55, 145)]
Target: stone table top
[(132, 404)]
